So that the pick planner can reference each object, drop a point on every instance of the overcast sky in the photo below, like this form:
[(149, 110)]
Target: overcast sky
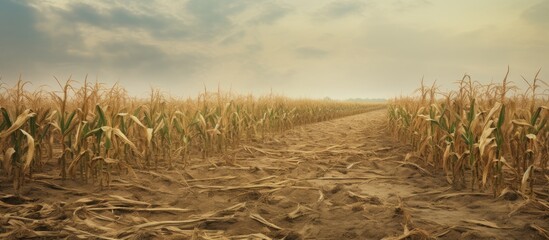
[(299, 48)]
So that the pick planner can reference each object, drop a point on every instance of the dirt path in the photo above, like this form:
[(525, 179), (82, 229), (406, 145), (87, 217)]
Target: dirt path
[(340, 179)]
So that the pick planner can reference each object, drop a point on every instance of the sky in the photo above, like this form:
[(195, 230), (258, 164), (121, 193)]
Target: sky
[(299, 48)]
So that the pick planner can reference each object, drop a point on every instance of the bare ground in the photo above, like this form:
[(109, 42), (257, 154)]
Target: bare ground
[(339, 179)]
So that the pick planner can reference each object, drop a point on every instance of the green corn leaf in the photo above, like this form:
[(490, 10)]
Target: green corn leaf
[(44, 133), (542, 125), (122, 122), (33, 125), (65, 126), (96, 131), (7, 121), (177, 125), (535, 117), (102, 121), (137, 111), (501, 118), (471, 113)]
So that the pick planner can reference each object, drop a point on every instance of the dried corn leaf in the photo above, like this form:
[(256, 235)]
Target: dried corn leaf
[(29, 155), (262, 220), (21, 119), (7, 161), (485, 223)]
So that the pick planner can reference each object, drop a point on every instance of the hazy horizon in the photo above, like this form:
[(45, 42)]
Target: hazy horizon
[(301, 48)]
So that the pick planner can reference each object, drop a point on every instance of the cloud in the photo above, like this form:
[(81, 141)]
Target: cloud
[(111, 18), (22, 45), (194, 20), (271, 13), (405, 5), (161, 26), (538, 14), (212, 18), (143, 57), (258, 44), (80, 38), (233, 38), (340, 9), (310, 52), (254, 48)]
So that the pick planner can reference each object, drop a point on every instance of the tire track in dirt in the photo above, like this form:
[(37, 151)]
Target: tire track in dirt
[(339, 179)]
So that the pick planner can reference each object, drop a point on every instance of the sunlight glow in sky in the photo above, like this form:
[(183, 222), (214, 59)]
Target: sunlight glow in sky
[(299, 48)]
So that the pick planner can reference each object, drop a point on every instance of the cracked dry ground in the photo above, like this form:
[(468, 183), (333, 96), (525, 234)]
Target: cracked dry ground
[(339, 179)]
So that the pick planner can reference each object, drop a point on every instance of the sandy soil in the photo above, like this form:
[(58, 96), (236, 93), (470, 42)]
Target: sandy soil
[(340, 179)]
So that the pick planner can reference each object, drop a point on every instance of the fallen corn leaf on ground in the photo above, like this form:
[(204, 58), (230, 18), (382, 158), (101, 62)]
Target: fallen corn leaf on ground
[(338, 179)]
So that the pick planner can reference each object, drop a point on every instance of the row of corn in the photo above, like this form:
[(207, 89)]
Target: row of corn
[(483, 136), (92, 130)]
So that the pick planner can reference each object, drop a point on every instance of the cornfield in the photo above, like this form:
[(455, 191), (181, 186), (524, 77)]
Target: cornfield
[(481, 136), (92, 130)]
